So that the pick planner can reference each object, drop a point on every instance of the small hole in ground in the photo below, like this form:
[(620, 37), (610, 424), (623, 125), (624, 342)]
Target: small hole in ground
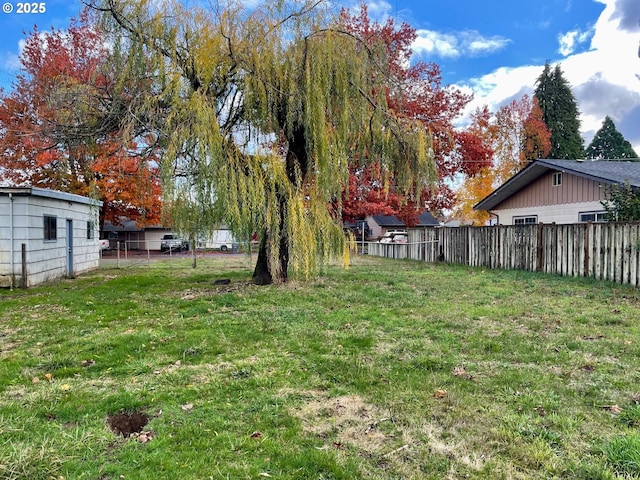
[(128, 423)]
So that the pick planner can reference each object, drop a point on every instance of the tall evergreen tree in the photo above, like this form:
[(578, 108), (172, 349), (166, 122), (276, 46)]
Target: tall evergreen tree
[(560, 114), (609, 143)]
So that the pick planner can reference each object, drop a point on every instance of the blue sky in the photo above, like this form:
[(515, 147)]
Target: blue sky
[(494, 49)]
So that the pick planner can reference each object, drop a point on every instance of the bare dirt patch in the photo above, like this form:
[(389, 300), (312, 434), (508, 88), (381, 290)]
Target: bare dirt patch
[(232, 287), (128, 423)]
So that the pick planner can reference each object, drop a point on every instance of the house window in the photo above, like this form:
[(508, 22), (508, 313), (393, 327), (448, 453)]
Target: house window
[(50, 228), (593, 216), (91, 230), (530, 220), (556, 181)]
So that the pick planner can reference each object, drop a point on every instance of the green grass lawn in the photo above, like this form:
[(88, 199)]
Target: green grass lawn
[(386, 370)]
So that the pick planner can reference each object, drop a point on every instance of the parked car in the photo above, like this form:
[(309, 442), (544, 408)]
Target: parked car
[(171, 243), (395, 236)]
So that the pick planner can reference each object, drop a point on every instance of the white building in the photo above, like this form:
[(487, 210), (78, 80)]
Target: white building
[(46, 234)]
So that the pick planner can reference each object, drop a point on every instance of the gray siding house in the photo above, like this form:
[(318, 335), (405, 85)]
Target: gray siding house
[(46, 234), (558, 191)]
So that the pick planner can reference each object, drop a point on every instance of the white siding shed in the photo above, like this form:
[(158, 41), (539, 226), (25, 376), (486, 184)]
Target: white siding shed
[(46, 234)]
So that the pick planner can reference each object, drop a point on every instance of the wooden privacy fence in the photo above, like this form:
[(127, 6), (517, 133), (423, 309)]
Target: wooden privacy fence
[(606, 251)]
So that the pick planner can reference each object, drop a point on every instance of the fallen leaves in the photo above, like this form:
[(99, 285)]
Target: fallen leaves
[(615, 409), (440, 393), (459, 371), (143, 437)]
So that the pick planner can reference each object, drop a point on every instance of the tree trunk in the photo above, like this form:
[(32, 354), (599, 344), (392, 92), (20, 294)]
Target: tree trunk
[(297, 165), (262, 274), (192, 247)]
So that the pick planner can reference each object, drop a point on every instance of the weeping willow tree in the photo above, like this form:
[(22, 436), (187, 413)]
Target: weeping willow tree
[(259, 114)]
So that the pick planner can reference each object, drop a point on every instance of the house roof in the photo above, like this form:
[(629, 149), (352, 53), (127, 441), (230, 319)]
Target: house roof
[(424, 220), (602, 171), (128, 225)]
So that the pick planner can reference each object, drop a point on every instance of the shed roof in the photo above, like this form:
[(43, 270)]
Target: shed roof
[(602, 171), (46, 193)]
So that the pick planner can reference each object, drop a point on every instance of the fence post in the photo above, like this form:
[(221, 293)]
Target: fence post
[(587, 232), (468, 259), (424, 245), (24, 282), (539, 251), (499, 244)]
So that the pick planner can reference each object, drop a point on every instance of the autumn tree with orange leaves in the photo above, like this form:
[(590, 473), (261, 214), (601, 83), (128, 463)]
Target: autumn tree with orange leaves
[(416, 93), (59, 125), (518, 135)]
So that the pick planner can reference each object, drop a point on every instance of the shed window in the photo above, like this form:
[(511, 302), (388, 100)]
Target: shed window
[(50, 228), (91, 230), (557, 179), (531, 220)]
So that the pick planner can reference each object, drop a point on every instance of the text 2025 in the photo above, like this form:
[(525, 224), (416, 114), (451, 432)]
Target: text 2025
[(31, 7)]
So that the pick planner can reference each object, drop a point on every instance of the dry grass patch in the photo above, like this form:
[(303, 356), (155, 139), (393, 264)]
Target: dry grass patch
[(455, 448), (348, 420), (350, 423)]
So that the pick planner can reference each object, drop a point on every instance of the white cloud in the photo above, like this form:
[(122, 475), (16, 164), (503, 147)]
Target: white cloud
[(10, 66), (468, 43), (10, 62), (570, 41), (378, 9), (438, 44), (603, 79), (628, 14)]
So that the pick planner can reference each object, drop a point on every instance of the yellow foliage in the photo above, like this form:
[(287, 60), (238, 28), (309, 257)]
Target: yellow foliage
[(472, 191)]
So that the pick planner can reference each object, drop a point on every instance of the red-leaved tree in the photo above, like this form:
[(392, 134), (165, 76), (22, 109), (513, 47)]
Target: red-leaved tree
[(418, 94), (518, 135), (59, 125)]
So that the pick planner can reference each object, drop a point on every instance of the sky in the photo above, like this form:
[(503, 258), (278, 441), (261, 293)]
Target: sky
[(494, 49)]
